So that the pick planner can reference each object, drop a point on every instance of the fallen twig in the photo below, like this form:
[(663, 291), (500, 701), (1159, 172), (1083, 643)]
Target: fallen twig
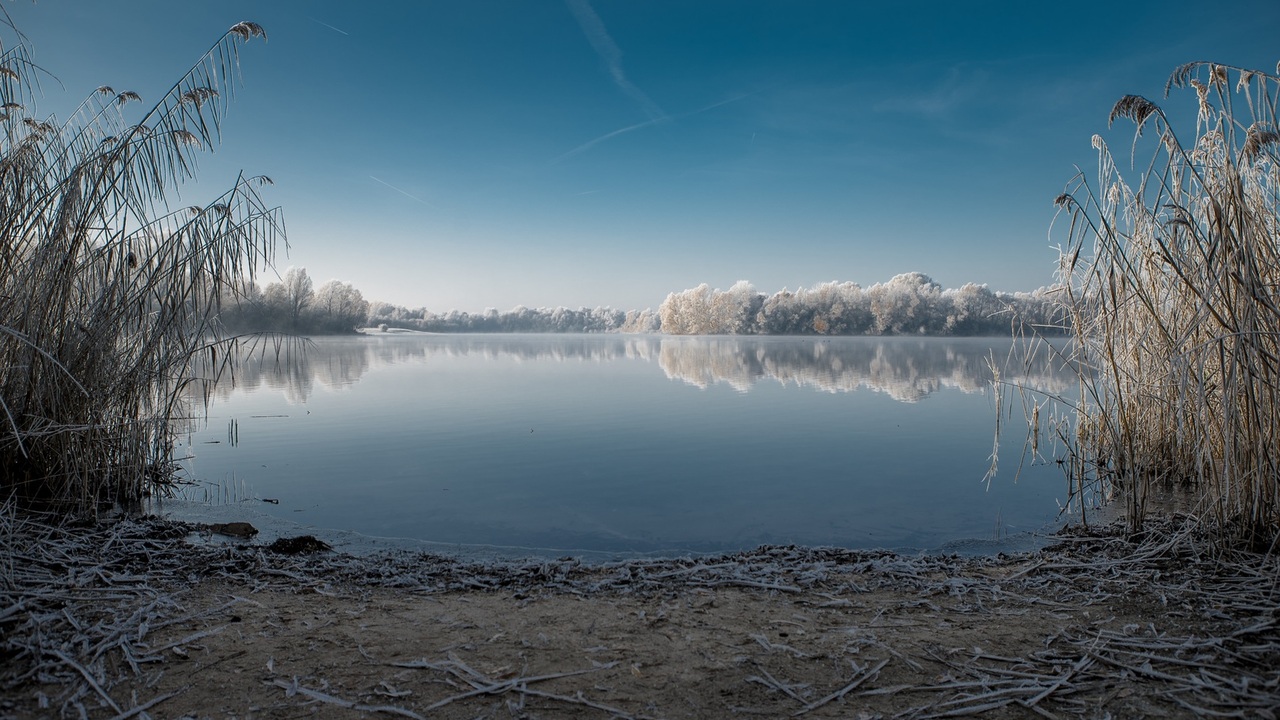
[(293, 688)]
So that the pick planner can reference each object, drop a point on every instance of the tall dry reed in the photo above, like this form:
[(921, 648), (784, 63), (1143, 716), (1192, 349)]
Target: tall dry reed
[(107, 294), (1171, 279)]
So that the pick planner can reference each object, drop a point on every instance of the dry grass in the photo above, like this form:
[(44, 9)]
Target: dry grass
[(107, 293), (1172, 283)]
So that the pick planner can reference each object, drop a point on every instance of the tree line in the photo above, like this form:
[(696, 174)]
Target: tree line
[(294, 305), (908, 304), (517, 320)]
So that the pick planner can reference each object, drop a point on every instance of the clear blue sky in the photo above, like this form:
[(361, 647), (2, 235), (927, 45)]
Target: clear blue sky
[(606, 152)]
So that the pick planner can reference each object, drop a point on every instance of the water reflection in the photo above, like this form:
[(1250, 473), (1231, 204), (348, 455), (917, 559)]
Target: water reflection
[(605, 443), (906, 369)]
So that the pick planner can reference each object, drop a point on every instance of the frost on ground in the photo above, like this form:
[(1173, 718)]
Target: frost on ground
[(130, 620)]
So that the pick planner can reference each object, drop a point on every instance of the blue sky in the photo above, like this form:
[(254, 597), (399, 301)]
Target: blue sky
[(606, 152)]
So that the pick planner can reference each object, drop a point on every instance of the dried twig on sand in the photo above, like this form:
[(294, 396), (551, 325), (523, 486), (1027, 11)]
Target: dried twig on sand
[(80, 606)]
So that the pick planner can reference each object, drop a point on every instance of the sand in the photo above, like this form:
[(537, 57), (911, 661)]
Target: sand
[(1099, 625)]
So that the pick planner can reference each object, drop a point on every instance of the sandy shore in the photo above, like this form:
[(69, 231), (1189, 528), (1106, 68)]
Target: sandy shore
[(130, 620)]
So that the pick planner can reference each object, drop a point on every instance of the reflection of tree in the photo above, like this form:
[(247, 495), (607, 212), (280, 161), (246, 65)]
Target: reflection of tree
[(540, 347), (294, 369), (294, 377), (342, 367), (906, 370), (704, 361), (290, 366)]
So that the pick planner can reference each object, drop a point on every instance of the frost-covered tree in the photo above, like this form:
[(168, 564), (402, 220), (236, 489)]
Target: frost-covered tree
[(641, 321), (382, 312), (906, 305), (243, 306), (837, 308), (703, 311), (974, 310), (1041, 308), (291, 296), (338, 307), (780, 314), (686, 312), (734, 311)]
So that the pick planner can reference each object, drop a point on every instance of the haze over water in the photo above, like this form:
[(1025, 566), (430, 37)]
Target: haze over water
[(630, 445)]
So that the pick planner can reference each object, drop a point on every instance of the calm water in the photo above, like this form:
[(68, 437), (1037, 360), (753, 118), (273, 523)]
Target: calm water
[(627, 445)]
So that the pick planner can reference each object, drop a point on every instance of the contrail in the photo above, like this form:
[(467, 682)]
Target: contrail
[(344, 32), (621, 131), (715, 105), (402, 192), (592, 143), (608, 51)]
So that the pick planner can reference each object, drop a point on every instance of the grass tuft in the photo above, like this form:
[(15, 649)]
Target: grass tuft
[(1172, 284), (106, 295)]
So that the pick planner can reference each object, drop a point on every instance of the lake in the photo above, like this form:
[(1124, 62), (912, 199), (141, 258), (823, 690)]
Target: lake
[(623, 446)]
